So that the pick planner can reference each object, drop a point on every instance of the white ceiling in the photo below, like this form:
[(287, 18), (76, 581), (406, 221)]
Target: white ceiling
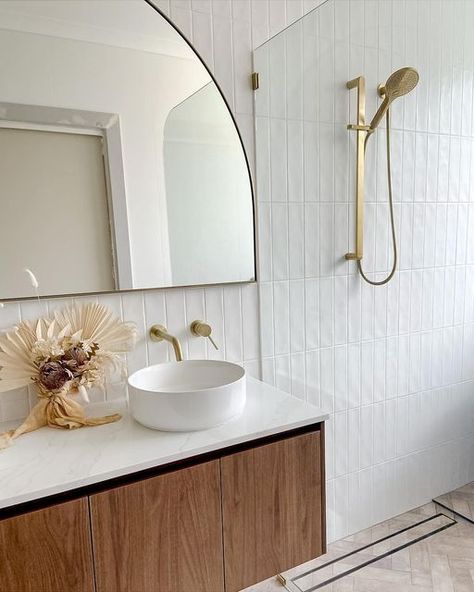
[(123, 23)]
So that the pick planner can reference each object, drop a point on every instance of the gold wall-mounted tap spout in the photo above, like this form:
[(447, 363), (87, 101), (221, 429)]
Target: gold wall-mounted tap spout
[(160, 333)]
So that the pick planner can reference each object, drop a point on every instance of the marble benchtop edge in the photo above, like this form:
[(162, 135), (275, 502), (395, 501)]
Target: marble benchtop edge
[(49, 462)]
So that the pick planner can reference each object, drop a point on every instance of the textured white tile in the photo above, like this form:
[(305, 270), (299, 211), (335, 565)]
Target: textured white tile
[(298, 378), (242, 44), (311, 161), (294, 10), (214, 303), (28, 310), (354, 308), (266, 319), (281, 309), (296, 240), (459, 294), (311, 240), (295, 161), (133, 309), (366, 436), (262, 127), (241, 10), (327, 379), (379, 376), (278, 163), (416, 300), (341, 238), (313, 391), (277, 77), (354, 371), (233, 325), (182, 18), (265, 256), (310, 68), (367, 373), (404, 302), (283, 373), (391, 380), (260, 30), (326, 240), (380, 310), (294, 72), (367, 311), (277, 16), (340, 378), (297, 313), (353, 426), (250, 322), (155, 314), (326, 312), (222, 8), (195, 311), (268, 371), (253, 369), (280, 246), (312, 314), (341, 436), (202, 36), (340, 310), (223, 62)]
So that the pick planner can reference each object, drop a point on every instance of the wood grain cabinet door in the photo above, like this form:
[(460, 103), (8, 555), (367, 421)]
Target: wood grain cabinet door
[(272, 509), (47, 550), (162, 534)]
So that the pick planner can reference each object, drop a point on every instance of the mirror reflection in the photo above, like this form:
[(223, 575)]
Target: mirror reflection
[(121, 165)]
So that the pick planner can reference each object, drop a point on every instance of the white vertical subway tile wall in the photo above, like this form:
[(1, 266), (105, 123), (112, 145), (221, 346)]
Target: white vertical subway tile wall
[(394, 365)]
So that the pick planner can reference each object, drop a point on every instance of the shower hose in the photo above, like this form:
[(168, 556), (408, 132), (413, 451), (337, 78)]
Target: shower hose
[(392, 218)]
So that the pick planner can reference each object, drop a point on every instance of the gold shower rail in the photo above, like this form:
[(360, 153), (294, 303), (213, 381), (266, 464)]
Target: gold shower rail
[(362, 131)]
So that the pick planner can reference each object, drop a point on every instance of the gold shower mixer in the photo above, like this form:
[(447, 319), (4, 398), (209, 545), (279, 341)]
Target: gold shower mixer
[(398, 84)]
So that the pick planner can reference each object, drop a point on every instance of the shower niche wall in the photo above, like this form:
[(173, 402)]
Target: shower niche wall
[(394, 364)]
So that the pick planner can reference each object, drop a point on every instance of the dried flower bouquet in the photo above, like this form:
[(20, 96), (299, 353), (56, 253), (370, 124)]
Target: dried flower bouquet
[(64, 356)]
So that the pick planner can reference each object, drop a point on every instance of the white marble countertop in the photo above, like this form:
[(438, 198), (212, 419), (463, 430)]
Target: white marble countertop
[(50, 461)]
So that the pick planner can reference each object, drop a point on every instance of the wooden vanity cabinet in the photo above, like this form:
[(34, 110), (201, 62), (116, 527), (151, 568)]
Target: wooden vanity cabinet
[(47, 550), (218, 523), (160, 534), (272, 499)]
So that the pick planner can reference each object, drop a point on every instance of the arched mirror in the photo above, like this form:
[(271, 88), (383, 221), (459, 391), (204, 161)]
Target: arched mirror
[(121, 166)]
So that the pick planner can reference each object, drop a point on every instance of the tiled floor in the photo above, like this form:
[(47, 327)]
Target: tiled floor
[(443, 562), (461, 501)]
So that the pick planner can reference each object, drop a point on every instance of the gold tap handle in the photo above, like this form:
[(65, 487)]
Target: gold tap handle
[(202, 329), (212, 341)]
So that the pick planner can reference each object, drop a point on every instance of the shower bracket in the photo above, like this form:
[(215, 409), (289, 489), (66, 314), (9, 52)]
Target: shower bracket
[(362, 130)]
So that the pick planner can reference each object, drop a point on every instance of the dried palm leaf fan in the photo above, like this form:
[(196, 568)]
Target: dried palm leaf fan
[(63, 356)]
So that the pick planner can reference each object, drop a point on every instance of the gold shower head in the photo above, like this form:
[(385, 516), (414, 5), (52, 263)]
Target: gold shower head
[(398, 84)]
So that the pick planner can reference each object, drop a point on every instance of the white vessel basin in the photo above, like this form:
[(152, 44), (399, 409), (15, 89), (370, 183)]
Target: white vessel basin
[(186, 396)]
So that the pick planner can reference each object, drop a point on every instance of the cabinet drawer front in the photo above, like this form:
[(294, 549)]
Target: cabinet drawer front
[(161, 534), (47, 550), (272, 509)]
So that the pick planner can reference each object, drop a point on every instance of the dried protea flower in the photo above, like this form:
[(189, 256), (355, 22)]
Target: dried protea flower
[(53, 376), (77, 354)]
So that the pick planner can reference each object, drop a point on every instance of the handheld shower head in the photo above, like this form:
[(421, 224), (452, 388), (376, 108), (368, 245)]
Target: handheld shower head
[(398, 84)]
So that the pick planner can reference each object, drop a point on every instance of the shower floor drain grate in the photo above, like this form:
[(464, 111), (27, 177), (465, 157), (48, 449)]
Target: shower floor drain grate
[(347, 564)]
